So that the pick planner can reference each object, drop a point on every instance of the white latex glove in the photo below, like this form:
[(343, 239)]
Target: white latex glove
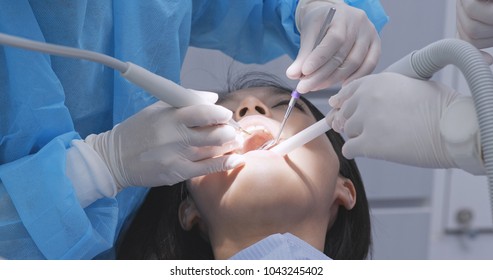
[(349, 50), (162, 145), (475, 24), (392, 117)]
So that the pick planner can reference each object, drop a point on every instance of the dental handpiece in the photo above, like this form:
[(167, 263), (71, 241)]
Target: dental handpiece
[(166, 90), (160, 87), (302, 137)]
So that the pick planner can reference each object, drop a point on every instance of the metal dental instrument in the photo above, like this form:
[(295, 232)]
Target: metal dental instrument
[(295, 94), (160, 87)]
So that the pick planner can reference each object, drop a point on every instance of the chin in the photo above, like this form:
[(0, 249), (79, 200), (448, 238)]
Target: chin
[(268, 179)]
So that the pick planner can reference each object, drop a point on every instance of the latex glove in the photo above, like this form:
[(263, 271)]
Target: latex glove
[(162, 145), (349, 50), (475, 24), (392, 117)]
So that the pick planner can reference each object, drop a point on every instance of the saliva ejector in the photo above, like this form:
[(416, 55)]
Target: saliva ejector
[(302, 137)]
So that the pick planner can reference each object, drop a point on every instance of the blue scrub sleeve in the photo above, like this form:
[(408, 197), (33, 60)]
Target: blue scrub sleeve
[(253, 31), (49, 210), (47, 101), (258, 31), (40, 214), (373, 9)]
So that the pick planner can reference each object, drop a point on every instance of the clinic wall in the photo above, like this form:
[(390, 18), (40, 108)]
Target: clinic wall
[(401, 197)]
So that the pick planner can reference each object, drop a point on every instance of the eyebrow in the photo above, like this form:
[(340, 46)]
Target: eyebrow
[(298, 103)]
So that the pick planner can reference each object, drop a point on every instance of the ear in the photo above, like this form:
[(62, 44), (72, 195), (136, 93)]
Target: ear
[(188, 214), (345, 193)]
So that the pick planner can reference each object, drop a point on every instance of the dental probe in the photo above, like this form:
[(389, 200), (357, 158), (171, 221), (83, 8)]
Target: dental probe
[(160, 87), (302, 137), (295, 94)]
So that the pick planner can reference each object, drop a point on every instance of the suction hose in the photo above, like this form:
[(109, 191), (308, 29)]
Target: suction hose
[(422, 64)]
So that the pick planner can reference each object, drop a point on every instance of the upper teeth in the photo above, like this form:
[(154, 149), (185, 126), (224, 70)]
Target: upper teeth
[(253, 128)]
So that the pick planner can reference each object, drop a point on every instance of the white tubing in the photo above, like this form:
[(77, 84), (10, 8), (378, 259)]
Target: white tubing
[(302, 137), (53, 49), (162, 88), (166, 90)]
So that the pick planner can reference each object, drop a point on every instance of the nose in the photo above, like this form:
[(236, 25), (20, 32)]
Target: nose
[(252, 106)]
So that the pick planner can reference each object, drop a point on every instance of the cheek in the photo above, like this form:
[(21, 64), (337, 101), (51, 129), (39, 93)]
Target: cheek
[(208, 190), (325, 158), (319, 164), (298, 121)]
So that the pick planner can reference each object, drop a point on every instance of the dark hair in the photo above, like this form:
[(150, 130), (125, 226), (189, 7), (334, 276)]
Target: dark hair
[(155, 232), (350, 235)]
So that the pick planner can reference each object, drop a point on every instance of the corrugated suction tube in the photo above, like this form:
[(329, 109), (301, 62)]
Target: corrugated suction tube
[(423, 63)]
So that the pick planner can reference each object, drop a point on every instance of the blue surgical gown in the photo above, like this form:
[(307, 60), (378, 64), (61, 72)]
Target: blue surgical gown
[(48, 101)]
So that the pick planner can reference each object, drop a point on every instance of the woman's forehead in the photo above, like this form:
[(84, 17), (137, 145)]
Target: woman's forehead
[(259, 92)]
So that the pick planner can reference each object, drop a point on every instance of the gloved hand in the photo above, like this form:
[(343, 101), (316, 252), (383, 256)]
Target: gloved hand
[(475, 24), (349, 50), (161, 145), (392, 117)]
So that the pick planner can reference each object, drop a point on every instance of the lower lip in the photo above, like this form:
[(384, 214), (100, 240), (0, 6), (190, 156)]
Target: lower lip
[(262, 153)]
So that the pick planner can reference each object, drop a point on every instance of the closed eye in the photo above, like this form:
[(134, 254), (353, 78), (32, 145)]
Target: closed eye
[(286, 102)]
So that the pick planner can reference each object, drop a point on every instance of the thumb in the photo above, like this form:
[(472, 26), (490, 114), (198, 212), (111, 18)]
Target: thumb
[(353, 148), (346, 92), (294, 70), (487, 57), (231, 162), (329, 118), (218, 164)]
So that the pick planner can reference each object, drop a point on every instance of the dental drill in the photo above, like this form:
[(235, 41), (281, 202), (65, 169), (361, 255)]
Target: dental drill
[(161, 88)]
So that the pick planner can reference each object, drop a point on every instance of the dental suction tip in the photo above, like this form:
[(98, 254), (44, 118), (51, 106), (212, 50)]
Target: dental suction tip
[(302, 137)]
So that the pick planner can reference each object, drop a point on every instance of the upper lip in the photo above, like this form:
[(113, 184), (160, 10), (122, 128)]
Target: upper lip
[(258, 121)]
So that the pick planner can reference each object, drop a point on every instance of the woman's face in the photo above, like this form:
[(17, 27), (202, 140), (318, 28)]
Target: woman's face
[(270, 191)]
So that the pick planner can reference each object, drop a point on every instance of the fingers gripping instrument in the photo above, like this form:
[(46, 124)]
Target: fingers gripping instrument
[(295, 94)]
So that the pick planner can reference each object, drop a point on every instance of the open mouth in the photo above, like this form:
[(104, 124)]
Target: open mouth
[(261, 132), (259, 136)]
